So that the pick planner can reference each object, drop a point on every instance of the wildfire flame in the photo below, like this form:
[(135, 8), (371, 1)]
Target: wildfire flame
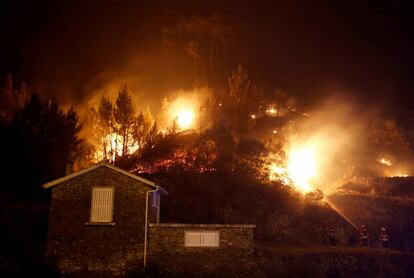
[(180, 157), (113, 145), (183, 110), (385, 161), (401, 175), (185, 119), (271, 111), (393, 169), (301, 168)]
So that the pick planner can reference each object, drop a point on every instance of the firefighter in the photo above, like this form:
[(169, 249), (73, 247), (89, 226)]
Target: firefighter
[(332, 237), (363, 237), (383, 238)]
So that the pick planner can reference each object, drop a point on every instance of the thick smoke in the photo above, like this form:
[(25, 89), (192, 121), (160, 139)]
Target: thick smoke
[(349, 141)]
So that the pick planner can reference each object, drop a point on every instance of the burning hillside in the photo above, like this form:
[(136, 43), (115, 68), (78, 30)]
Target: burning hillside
[(266, 138), (311, 150), (209, 142), (295, 116)]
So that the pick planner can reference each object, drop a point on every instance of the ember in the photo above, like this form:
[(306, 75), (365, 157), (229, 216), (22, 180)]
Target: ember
[(181, 158)]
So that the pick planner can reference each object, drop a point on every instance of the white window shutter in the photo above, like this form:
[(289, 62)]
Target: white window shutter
[(202, 239), (211, 239), (102, 204), (193, 239)]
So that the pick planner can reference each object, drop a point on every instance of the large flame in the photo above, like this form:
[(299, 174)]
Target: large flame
[(113, 144), (300, 169), (394, 169), (271, 111), (185, 119), (385, 161), (183, 111)]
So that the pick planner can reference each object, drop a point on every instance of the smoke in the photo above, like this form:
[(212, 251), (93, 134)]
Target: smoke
[(348, 140)]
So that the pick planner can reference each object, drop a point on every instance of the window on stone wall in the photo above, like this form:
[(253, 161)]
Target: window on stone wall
[(202, 239), (102, 204)]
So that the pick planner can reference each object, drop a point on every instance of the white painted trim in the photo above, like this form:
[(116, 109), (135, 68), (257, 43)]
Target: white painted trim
[(70, 176)]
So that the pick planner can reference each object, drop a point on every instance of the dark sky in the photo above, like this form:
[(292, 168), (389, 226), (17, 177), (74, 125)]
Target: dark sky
[(311, 48)]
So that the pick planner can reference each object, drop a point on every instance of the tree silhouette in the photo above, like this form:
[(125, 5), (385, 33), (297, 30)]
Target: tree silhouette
[(42, 139), (124, 116), (141, 128), (106, 120), (200, 37), (236, 105)]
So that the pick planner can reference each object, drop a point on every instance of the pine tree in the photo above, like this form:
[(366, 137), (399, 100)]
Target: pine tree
[(142, 127), (124, 116), (106, 120)]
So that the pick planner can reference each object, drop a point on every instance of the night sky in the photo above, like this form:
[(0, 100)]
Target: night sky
[(310, 48)]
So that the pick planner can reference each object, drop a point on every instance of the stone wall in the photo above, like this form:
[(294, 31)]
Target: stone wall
[(76, 247), (167, 251)]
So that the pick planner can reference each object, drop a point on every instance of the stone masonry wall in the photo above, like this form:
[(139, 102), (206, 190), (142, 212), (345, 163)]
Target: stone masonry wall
[(79, 248), (168, 253)]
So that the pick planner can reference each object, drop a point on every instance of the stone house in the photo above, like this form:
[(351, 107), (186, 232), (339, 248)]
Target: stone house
[(105, 220), (97, 219)]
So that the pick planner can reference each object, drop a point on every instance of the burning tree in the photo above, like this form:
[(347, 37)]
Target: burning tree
[(106, 120), (142, 127), (114, 129), (239, 102), (179, 115)]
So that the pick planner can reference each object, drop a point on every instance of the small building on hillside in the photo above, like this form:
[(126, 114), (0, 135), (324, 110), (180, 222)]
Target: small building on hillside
[(97, 219), (99, 223)]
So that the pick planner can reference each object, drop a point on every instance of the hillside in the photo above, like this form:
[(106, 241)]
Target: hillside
[(380, 202), (272, 261)]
